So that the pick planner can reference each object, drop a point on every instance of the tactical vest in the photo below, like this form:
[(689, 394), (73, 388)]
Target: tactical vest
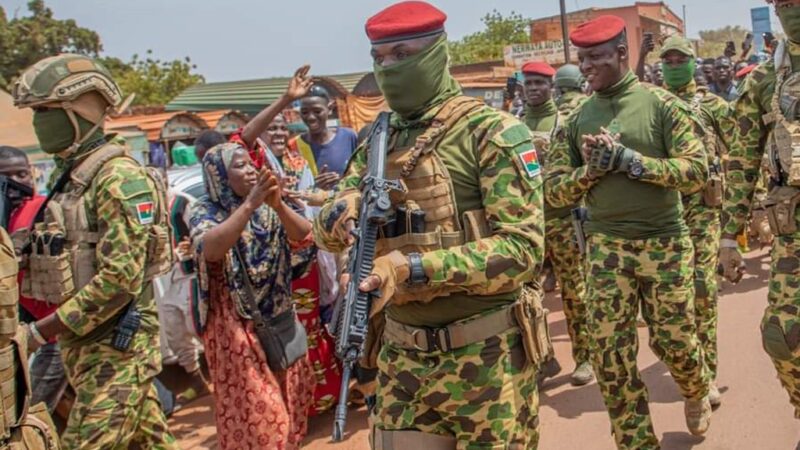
[(714, 188), (430, 190), (783, 146), (21, 426), (63, 257)]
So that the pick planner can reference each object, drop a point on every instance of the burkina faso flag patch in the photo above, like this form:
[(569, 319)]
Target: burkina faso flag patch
[(145, 212), (530, 161)]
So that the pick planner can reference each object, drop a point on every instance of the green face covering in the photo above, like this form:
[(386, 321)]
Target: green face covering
[(679, 76), (418, 82), (790, 20), (55, 131)]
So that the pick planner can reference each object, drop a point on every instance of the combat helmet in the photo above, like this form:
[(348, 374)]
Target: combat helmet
[(569, 76), (75, 83)]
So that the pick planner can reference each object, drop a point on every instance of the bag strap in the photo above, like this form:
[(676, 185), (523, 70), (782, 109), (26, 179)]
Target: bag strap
[(260, 325)]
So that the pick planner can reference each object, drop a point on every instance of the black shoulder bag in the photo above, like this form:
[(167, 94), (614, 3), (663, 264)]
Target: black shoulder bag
[(282, 337)]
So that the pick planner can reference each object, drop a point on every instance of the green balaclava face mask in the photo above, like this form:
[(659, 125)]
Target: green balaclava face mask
[(418, 82), (55, 131), (676, 77), (790, 20)]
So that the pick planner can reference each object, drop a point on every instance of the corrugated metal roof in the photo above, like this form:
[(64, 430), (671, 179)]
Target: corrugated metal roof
[(248, 96), (151, 124)]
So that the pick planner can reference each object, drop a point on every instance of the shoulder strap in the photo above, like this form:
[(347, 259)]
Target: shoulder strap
[(260, 325), (84, 172), (450, 113)]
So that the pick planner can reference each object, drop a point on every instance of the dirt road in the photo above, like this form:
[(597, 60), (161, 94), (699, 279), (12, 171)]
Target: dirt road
[(755, 413)]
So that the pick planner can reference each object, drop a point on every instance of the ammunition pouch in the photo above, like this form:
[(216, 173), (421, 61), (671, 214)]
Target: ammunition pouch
[(531, 318), (713, 191), (781, 205), (410, 439)]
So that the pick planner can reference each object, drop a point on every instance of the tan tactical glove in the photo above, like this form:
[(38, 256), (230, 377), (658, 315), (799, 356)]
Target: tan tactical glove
[(731, 260), (388, 272), (343, 210)]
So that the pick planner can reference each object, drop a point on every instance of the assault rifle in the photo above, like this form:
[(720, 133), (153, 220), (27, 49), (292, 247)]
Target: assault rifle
[(352, 312), (10, 190)]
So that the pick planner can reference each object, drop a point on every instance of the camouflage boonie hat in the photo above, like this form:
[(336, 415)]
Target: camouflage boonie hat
[(64, 78), (677, 43)]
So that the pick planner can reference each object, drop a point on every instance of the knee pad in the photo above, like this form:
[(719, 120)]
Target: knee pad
[(774, 341)]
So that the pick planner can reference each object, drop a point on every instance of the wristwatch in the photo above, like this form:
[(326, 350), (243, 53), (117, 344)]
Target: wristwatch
[(417, 276), (635, 168)]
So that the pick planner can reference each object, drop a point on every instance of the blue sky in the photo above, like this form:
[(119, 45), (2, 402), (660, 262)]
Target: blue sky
[(244, 39)]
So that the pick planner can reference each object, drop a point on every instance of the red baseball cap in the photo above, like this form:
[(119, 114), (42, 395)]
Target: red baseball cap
[(538, 68), (405, 20), (597, 31)]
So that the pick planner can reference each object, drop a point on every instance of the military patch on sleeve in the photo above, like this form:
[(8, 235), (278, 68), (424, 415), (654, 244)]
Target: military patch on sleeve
[(530, 161), (144, 210)]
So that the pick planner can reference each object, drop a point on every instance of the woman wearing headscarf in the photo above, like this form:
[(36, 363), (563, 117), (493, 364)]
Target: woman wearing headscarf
[(244, 234)]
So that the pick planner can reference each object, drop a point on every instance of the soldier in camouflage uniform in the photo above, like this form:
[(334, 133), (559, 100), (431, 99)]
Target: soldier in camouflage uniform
[(109, 216), (767, 112), (542, 116), (452, 367), (627, 150), (702, 208), (569, 88)]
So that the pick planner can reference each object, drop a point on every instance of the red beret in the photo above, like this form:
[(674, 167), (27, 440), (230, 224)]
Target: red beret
[(743, 73), (597, 31), (538, 68), (405, 20)]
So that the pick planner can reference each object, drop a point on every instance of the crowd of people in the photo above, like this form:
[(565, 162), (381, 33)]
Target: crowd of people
[(633, 183)]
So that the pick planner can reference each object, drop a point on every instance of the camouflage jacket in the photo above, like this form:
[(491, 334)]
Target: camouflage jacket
[(111, 202), (651, 121), (492, 165), (570, 100), (744, 159)]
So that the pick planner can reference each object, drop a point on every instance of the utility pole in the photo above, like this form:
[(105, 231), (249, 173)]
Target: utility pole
[(565, 32), (685, 29)]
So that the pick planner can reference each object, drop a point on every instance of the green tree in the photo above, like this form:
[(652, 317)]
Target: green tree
[(154, 82), (487, 45), (712, 42), (25, 40)]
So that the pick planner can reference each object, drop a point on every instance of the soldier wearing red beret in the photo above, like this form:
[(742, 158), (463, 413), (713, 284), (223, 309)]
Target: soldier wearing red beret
[(457, 360), (630, 150), (542, 117)]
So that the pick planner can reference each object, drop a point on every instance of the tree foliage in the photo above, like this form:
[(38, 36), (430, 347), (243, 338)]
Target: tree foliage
[(25, 40), (488, 44), (155, 82), (712, 42)]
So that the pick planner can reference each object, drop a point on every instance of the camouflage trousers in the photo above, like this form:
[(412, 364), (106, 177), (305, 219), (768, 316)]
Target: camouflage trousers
[(780, 325), (115, 406), (705, 231), (483, 394), (569, 268), (656, 275)]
